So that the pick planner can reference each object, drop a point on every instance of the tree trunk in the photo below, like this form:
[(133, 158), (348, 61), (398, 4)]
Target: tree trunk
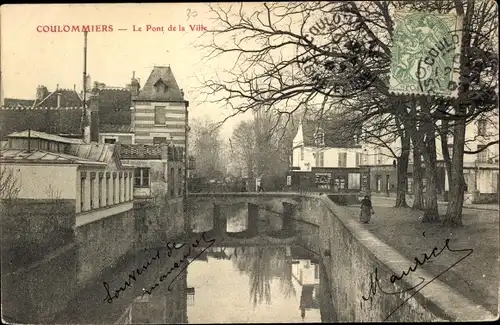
[(431, 213), (402, 169), (418, 193), (453, 216), (444, 148), (402, 165)]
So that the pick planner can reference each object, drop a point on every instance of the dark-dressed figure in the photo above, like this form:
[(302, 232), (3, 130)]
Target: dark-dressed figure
[(260, 188), (243, 186), (366, 210)]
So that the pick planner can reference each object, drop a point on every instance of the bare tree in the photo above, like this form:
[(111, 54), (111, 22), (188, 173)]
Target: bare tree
[(270, 43), (9, 183)]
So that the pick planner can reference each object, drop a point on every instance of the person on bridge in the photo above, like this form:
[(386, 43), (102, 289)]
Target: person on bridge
[(366, 210), (243, 186), (260, 188)]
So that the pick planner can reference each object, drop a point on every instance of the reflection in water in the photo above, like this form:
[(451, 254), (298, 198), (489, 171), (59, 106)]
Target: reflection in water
[(275, 275), (263, 264), (286, 283)]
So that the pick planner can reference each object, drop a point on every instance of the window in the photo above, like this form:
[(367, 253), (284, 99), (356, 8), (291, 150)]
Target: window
[(160, 86), (302, 153), (316, 271), (409, 184), (483, 155), (481, 127), (108, 188), (450, 149), (321, 159), (120, 187), (92, 184), (172, 183), (159, 114), (114, 188), (83, 176), (110, 140), (354, 181), (180, 178), (358, 159), (100, 189), (159, 140), (343, 159), (319, 137), (141, 178)]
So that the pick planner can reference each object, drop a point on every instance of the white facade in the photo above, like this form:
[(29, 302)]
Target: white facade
[(37, 182), (480, 170), (305, 272), (306, 157)]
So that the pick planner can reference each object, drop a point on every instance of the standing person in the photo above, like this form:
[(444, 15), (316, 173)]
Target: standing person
[(366, 210), (261, 185), (243, 186)]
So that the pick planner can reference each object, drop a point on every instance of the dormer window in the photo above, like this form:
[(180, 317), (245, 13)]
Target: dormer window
[(319, 137), (160, 86)]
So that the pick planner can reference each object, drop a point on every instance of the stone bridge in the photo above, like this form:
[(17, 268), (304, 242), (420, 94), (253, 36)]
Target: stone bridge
[(349, 252), (261, 210)]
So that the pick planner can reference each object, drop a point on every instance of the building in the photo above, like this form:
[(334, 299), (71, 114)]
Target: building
[(160, 111), (327, 156), (480, 170), (91, 175), (307, 274), (58, 112), (59, 186)]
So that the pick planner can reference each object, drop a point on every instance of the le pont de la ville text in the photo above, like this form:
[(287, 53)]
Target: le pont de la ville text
[(111, 28)]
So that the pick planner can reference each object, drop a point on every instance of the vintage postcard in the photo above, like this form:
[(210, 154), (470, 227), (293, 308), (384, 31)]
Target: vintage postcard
[(250, 162)]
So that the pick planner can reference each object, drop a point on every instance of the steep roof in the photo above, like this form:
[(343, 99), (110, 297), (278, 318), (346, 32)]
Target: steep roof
[(338, 133), (69, 98), (102, 152), (114, 106), (16, 102), (62, 120), (154, 87)]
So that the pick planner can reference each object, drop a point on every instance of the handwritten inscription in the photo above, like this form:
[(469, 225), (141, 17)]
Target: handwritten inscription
[(191, 13), (375, 282), (132, 277), (179, 264)]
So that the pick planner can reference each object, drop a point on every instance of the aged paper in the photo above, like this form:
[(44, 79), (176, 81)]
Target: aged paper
[(249, 162)]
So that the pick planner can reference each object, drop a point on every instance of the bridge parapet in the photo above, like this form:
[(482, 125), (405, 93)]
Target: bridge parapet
[(351, 256)]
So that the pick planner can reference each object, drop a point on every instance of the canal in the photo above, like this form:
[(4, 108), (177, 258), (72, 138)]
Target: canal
[(220, 279)]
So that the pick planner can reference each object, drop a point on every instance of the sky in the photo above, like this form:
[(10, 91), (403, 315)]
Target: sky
[(30, 58)]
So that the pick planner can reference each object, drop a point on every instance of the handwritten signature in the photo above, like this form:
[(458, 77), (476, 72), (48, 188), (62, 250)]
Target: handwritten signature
[(375, 282), (179, 264), (132, 277)]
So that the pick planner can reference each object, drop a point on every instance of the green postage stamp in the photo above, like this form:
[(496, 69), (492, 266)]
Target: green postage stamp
[(426, 54)]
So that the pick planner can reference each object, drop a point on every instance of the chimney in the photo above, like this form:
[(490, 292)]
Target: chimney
[(58, 100), (88, 82), (74, 87), (41, 92)]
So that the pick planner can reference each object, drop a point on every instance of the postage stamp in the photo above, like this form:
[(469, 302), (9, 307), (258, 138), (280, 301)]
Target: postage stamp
[(426, 54)]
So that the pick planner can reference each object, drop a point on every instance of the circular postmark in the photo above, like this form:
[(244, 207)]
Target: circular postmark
[(440, 71), (330, 60), (426, 54)]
